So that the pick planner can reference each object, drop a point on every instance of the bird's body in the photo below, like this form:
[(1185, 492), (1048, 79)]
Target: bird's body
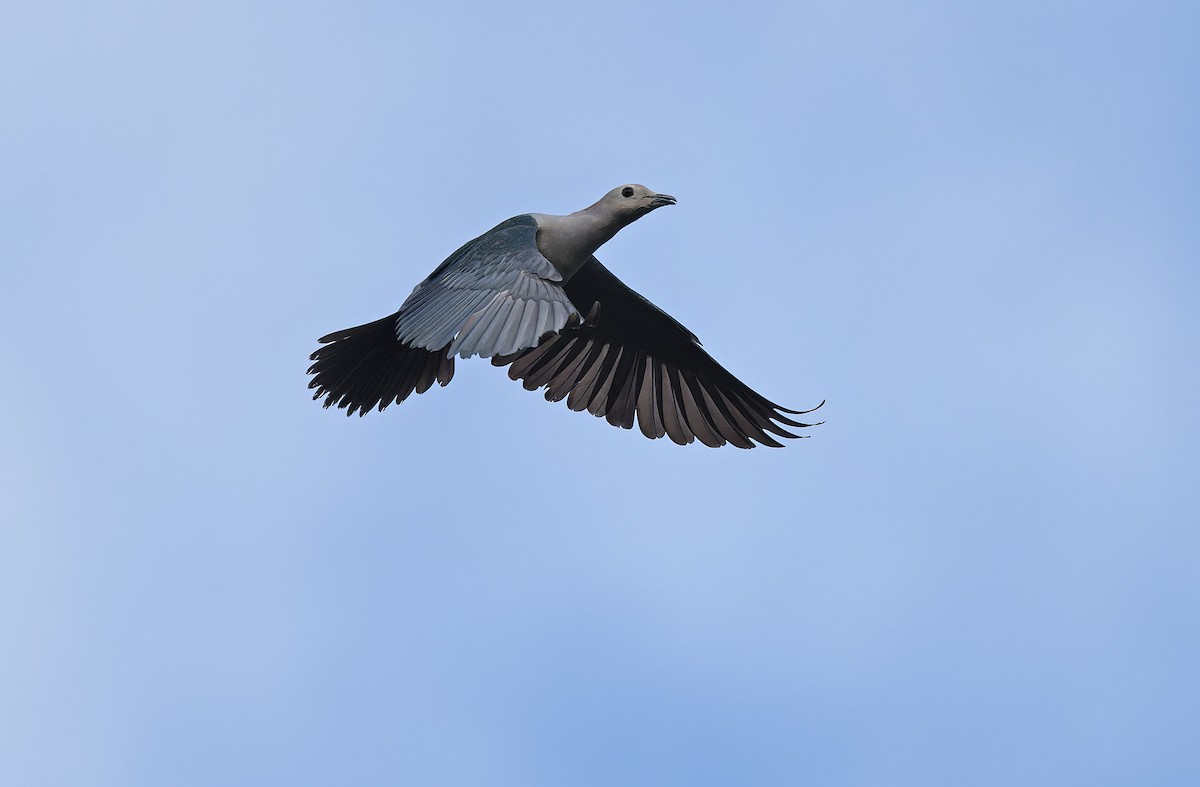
[(529, 294)]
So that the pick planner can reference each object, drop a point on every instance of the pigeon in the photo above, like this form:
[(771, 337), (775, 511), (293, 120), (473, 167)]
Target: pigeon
[(530, 294)]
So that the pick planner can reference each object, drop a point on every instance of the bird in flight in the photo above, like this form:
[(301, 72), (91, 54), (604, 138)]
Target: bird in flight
[(530, 295)]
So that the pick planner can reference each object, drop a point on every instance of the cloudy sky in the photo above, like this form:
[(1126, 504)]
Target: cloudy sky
[(972, 229)]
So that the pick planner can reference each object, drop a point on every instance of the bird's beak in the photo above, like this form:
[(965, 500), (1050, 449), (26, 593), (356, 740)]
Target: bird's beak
[(658, 200)]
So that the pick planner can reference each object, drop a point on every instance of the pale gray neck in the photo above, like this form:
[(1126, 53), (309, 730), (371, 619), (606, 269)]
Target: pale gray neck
[(568, 241)]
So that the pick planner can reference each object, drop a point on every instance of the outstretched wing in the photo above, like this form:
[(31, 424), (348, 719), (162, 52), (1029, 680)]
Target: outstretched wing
[(495, 295), (630, 357)]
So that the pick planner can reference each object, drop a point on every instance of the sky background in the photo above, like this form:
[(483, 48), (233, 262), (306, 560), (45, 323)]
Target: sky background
[(972, 228)]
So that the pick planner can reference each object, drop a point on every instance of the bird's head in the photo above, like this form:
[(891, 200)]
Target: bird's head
[(632, 201)]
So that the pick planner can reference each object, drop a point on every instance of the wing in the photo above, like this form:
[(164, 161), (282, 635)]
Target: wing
[(495, 295), (631, 357)]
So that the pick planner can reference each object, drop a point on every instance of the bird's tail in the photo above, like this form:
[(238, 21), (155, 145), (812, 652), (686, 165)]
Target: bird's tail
[(361, 367)]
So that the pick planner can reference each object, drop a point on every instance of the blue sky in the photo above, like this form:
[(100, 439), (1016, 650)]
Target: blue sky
[(971, 229)]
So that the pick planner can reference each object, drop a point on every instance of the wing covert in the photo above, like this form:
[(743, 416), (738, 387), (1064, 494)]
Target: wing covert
[(495, 295)]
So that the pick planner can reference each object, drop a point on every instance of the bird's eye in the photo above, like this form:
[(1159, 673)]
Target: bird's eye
[(627, 191)]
